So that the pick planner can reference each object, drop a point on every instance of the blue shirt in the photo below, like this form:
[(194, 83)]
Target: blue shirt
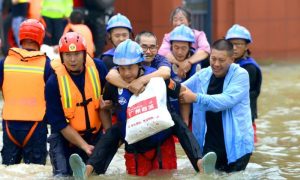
[(25, 125), (235, 106), (54, 110), (159, 61)]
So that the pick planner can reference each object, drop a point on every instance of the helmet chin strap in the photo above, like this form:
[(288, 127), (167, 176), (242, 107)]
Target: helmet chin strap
[(75, 72)]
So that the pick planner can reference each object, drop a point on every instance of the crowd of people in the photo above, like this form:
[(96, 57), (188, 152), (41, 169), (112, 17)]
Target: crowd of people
[(83, 94)]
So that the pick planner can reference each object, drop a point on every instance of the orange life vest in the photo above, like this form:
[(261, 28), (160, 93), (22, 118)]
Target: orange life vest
[(72, 100), (23, 85), (85, 31)]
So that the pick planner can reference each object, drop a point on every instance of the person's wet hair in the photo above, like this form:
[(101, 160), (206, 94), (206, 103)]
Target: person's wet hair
[(223, 45), (184, 11), (77, 17), (146, 34)]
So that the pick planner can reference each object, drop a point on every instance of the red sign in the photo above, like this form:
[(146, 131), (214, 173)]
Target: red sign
[(142, 107)]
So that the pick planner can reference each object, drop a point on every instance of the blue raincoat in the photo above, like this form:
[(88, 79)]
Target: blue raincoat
[(235, 106)]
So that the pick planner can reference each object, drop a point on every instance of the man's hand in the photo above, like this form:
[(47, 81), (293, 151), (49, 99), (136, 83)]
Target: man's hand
[(171, 58), (105, 104), (187, 66), (187, 96), (56, 49), (14, 2), (74, 137), (137, 86), (88, 149), (181, 71)]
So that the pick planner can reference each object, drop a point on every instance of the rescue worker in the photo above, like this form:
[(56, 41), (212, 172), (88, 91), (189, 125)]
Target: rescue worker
[(118, 30), (180, 16), (154, 152), (72, 100), (23, 74), (181, 39), (240, 37)]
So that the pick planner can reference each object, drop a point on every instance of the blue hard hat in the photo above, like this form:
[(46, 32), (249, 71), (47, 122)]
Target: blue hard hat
[(128, 52), (182, 33), (238, 32), (118, 20)]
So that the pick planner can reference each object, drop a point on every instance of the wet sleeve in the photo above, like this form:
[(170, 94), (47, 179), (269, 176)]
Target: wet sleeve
[(48, 69), (159, 61), (102, 71), (173, 88), (108, 61), (54, 110), (110, 92), (252, 71)]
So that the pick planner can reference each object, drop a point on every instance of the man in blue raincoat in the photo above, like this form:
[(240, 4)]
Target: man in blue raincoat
[(221, 109)]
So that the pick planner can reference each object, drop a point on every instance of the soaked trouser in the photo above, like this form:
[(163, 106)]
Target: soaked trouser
[(161, 157), (96, 22), (61, 150), (187, 140), (54, 30), (222, 162), (238, 165), (105, 149), (35, 150), (108, 145)]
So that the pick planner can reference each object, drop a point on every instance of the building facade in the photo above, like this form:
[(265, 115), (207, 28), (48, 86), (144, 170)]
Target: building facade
[(274, 24)]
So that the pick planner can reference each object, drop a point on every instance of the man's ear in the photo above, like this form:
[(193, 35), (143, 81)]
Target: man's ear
[(109, 36), (231, 58)]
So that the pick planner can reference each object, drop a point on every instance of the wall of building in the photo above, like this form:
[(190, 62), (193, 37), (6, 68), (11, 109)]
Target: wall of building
[(151, 15), (274, 25)]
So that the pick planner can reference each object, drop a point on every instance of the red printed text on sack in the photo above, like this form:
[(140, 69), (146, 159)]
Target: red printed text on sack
[(142, 107)]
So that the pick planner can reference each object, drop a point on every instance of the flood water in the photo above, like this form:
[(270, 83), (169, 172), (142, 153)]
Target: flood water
[(276, 155)]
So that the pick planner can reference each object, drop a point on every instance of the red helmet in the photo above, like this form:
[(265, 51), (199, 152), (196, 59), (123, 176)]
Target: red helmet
[(71, 42), (32, 29)]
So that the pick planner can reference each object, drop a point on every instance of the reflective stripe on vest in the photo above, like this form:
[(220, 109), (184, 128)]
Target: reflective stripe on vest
[(66, 92), (20, 68), (23, 85), (66, 87), (95, 81), (72, 100)]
